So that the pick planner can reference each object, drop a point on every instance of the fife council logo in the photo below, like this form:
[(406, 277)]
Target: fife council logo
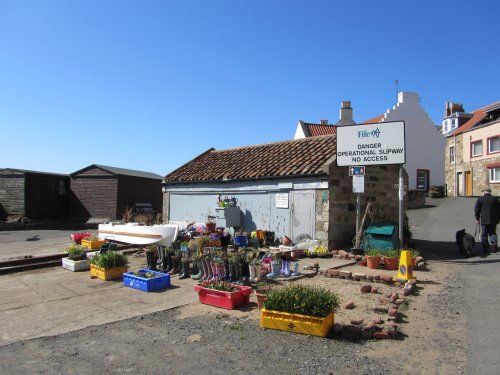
[(369, 134)]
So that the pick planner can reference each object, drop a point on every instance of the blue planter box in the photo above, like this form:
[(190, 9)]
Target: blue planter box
[(146, 285)]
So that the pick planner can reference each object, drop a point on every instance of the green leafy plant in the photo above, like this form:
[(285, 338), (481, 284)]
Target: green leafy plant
[(414, 253), (219, 285), (373, 252), (391, 253), (146, 275), (75, 251), (202, 242), (109, 259), (92, 237), (302, 299)]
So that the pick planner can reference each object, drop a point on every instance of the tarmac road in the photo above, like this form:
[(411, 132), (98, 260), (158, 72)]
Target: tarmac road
[(434, 229)]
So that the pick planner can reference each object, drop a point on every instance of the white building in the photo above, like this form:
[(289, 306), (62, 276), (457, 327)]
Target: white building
[(424, 143)]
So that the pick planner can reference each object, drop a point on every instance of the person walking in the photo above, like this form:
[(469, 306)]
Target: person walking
[(487, 212)]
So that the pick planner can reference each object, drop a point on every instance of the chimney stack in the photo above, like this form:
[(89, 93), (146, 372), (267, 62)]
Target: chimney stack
[(323, 122), (346, 113), (451, 108)]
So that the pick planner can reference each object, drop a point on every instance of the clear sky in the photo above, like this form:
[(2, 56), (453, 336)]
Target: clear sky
[(149, 85)]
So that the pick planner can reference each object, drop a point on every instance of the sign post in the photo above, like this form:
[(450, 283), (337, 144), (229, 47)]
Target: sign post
[(373, 144)]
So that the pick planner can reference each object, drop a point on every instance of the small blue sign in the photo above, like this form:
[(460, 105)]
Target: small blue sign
[(356, 171)]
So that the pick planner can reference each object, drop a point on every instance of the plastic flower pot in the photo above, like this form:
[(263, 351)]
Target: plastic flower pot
[(226, 300)]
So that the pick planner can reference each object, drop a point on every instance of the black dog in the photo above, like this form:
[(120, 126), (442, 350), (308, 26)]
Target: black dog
[(465, 242)]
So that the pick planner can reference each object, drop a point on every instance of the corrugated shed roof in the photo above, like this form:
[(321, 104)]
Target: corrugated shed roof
[(477, 116), (7, 170), (319, 129), (300, 157), (123, 172)]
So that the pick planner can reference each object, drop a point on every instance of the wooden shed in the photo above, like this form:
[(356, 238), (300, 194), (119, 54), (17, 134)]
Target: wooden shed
[(33, 194), (105, 192)]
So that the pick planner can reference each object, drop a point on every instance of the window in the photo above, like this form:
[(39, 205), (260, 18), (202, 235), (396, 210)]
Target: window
[(452, 154), (476, 148), (495, 174), (494, 145)]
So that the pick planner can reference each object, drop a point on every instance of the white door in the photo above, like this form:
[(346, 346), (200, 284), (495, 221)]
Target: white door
[(302, 213), (460, 184)]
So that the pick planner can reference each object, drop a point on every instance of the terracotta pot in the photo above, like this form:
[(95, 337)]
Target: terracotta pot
[(373, 262), (391, 263), (286, 241)]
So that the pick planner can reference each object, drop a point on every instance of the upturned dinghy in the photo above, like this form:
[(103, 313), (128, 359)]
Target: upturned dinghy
[(133, 233)]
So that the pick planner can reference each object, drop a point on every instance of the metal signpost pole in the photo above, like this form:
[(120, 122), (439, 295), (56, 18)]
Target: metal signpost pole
[(358, 212), (401, 196)]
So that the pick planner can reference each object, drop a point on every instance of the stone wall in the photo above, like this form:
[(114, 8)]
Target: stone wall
[(380, 182)]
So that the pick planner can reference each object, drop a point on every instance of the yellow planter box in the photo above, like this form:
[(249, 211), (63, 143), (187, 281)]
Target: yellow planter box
[(308, 325), (110, 274), (93, 245)]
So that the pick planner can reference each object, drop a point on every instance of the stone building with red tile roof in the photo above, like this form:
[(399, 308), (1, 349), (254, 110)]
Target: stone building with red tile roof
[(289, 188), (472, 154)]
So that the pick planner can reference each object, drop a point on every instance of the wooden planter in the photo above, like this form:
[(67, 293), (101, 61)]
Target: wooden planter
[(226, 300), (93, 245), (75, 265), (373, 262), (391, 263), (308, 325), (109, 274)]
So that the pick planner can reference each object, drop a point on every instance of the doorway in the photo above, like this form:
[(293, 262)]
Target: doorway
[(468, 184), (423, 179), (460, 184), (302, 213)]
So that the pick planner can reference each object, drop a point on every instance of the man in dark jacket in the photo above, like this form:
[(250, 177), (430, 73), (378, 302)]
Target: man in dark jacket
[(487, 212)]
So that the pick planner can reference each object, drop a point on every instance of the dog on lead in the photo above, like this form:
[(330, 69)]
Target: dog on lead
[(465, 243)]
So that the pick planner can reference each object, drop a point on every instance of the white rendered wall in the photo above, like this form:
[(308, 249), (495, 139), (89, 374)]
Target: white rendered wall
[(424, 144)]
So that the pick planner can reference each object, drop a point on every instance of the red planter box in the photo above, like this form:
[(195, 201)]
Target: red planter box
[(226, 300)]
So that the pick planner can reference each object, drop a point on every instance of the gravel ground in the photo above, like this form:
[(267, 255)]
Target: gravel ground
[(200, 339)]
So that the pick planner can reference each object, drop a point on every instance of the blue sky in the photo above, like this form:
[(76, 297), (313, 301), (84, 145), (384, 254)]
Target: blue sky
[(149, 85)]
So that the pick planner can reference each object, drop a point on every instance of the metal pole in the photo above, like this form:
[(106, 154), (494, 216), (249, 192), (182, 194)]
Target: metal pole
[(358, 214), (401, 196)]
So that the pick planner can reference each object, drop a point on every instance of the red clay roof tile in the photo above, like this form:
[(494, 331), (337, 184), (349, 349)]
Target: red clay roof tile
[(318, 129), (299, 157), (477, 116)]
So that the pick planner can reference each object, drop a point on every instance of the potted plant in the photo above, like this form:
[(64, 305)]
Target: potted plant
[(373, 258), (223, 294), (414, 253), (391, 259), (108, 266), (79, 236), (300, 308), (76, 260), (146, 280), (261, 294), (92, 242)]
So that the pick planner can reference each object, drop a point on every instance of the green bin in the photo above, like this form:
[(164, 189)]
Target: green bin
[(381, 237)]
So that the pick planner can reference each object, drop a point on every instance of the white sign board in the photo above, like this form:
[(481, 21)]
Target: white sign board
[(358, 184), (372, 144), (281, 200)]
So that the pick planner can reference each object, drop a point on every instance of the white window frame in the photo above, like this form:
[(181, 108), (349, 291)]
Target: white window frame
[(472, 148), (452, 154), (494, 174), (497, 138)]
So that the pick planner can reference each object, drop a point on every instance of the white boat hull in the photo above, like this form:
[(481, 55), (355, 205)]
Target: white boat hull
[(132, 233)]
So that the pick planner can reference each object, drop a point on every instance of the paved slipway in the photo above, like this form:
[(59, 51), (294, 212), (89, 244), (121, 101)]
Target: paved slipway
[(435, 227), (189, 338)]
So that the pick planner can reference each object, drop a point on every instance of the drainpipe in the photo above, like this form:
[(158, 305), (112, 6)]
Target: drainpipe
[(455, 165)]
